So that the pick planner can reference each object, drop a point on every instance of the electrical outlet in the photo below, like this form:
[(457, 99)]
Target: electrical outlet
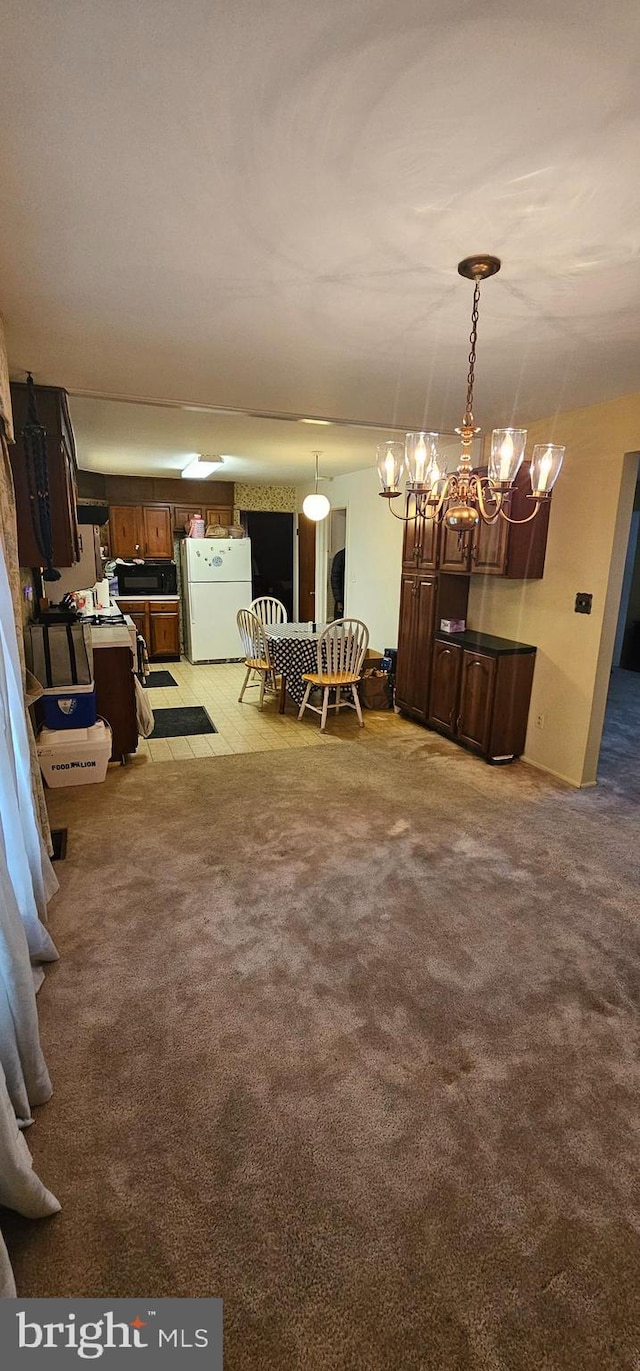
[(539, 720), (583, 603)]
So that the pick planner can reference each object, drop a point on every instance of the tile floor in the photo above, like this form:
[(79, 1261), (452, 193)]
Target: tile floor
[(244, 727)]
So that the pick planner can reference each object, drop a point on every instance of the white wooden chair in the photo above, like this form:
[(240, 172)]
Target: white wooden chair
[(269, 610), (341, 650), (256, 652)]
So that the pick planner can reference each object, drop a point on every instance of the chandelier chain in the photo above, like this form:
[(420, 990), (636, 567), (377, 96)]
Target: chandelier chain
[(473, 338)]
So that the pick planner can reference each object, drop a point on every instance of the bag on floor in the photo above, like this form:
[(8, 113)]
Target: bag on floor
[(374, 690), (60, 654), (144, 712)]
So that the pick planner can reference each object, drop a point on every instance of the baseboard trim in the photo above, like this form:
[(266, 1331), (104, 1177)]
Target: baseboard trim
[(558, 775)]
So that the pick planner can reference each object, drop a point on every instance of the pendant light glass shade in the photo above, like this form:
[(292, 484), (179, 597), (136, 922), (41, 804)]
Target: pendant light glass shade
[(421, 457), (390, 464), (545, 468), (316, 507), (507, 454)]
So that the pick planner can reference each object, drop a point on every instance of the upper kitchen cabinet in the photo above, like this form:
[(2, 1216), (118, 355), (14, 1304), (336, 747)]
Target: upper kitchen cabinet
[(141, 531), (516, 551), (420, 546), (53, 414), (157, 527), (125, 531)]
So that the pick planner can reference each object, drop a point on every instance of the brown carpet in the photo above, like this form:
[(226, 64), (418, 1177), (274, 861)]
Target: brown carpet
[(351, 1039)]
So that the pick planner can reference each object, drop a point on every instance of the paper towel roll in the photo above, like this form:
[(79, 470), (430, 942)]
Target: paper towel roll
[(103, 598)]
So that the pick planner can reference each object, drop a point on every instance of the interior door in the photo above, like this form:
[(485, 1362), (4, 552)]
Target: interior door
[(306, 569), (158, 532)]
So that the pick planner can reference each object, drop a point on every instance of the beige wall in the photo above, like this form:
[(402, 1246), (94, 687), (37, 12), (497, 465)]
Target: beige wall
[(588, 534), (373, 554)]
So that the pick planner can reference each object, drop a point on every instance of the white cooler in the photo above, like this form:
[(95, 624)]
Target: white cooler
[(74, 756)]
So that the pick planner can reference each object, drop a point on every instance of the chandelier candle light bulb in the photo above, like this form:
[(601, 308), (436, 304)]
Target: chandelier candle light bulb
[(545, 468), (390, 464), (465, 497)]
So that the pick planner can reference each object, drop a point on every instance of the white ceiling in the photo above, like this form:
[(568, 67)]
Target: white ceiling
[(132, 439), (263, 205)]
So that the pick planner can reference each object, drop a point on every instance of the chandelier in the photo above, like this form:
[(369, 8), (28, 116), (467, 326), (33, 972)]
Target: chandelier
[(463, 498)]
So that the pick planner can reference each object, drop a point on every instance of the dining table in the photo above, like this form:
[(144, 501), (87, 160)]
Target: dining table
[(293, 649)]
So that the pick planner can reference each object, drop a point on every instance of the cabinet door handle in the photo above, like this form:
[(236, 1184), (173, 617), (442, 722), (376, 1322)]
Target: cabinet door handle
[(458, 723)]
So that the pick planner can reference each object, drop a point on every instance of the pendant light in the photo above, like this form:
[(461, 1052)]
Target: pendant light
[(466, 497), (316, 506)]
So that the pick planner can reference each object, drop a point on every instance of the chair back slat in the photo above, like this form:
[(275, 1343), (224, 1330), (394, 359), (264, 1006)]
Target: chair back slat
[(341, 648), (252, 636), (269, 610)]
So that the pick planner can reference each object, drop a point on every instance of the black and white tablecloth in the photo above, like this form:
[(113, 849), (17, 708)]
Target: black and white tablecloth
[(294, 650)]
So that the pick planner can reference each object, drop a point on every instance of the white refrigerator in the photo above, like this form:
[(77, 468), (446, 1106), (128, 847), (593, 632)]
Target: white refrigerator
[(216, 583)]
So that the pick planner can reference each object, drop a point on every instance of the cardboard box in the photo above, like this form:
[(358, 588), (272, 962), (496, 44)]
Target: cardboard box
[(453, 625)]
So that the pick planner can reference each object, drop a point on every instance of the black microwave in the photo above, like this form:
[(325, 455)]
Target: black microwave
[(147, 578)]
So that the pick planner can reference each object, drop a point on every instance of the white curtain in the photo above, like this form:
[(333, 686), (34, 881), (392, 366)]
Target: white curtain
[(27, 881)]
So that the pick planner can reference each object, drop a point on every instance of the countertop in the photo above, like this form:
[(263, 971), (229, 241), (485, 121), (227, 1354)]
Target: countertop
[(485, 642), (112, 635)]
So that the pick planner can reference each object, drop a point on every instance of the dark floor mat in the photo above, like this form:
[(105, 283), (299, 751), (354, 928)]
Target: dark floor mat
[(157, 679), (182, 723)]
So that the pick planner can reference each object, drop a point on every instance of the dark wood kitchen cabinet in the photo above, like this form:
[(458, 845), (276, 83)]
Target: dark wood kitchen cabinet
[(141, 531), (53, 414), (420, 545), (417, 611), (445, 685), (116, 698), (425, 599), (480, 692), (516, 551), (158, 622), (125, 531), (164, 636), (157, 528)]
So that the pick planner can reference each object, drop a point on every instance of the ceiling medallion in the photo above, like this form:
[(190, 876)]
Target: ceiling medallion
[(464, 498)]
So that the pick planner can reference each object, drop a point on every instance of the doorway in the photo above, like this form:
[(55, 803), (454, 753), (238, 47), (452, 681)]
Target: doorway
[(336, 580), (306, 569), (271, 537), (619, 761)]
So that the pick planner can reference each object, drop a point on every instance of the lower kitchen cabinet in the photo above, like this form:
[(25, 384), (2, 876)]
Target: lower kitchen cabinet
[(116, 698), (158, 622), (164, 638), (480, 692)]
